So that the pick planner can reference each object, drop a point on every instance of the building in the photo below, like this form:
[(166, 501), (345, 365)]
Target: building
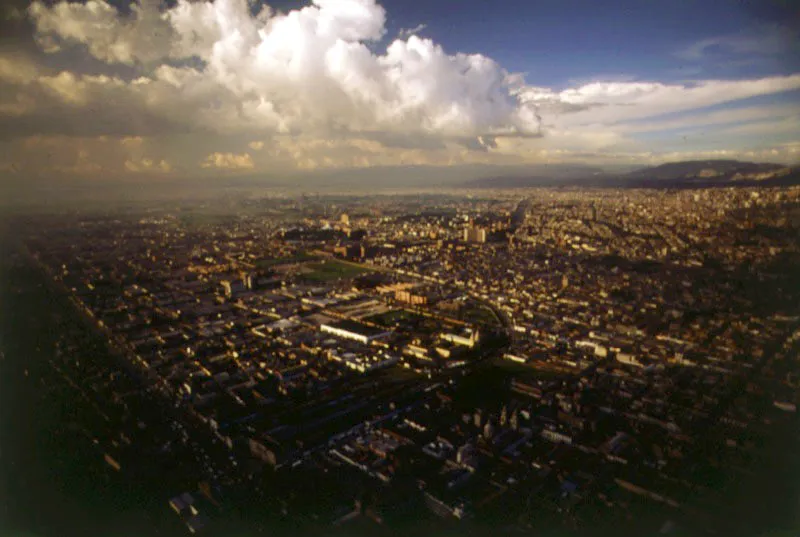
[(354, 330), (363, 363), (468, 337), (474, 234), (410, 298)]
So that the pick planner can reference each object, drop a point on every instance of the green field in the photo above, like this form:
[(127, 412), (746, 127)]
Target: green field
[(300, 257), (330, 270)]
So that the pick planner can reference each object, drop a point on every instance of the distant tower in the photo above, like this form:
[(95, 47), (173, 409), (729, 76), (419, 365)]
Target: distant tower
[(503, 416), (488, 430), (514, 420), (226, 288), (474, 234), (478, 418), (462, 455)]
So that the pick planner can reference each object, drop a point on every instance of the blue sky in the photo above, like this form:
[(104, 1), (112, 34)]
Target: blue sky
[(109, 88), (562, 41)]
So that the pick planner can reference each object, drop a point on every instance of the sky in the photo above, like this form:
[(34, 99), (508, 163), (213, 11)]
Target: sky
[(110, 89)]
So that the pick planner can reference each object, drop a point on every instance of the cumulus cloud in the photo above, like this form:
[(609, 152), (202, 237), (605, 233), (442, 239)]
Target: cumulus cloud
[(132, 141), (309, 69), (307, 153), (148, 165), (228, 161), (17, 69), (77, 155), (141, 37)]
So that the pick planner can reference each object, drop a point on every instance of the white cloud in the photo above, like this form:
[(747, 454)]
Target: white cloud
[(17, 69), (699, 120), (761, 40), (142, 37), (313, 153), (408, 32), (767, 127), (615, 102), (306, 70), (72, 155), (228, 161), (611, 116), (132, 141), (148, 165), (62, 155)]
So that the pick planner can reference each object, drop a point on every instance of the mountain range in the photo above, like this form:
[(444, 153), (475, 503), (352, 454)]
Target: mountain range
[(684, 174)]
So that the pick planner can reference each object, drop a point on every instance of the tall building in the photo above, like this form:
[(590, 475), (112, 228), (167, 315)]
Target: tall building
[(488, 430), (226, 288), (409, 297), (344, 219), (474, 234)]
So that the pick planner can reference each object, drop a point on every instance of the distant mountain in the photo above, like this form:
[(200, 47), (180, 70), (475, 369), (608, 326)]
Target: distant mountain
[(720, 170), (685, 174), (540, 175)]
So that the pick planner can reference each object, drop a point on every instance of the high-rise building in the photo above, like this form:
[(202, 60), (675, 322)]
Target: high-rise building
[(226, 288), (488, 430), (474, 234)]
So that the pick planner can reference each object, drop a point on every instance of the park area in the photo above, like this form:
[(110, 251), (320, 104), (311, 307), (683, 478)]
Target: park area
[(331, 269), (300, 257)]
